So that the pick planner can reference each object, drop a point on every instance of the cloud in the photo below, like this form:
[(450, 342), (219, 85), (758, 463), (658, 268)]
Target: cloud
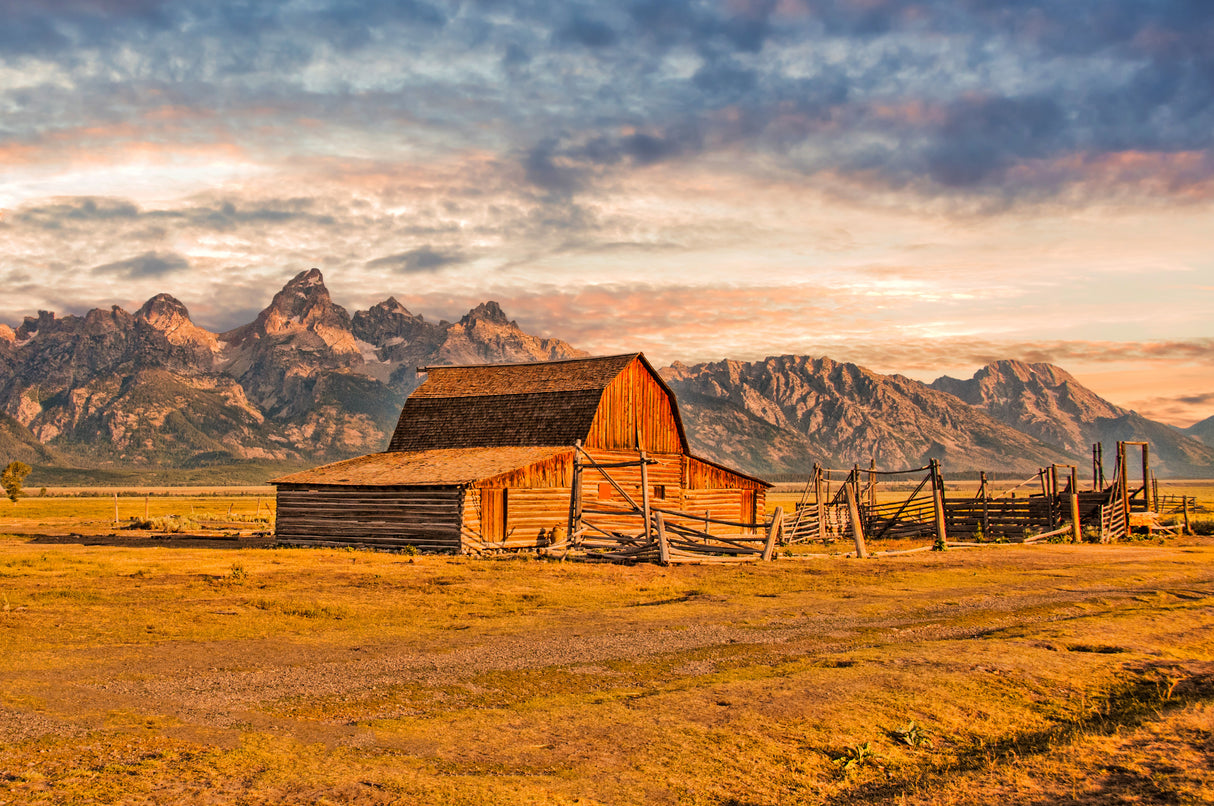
[(149, 264), (416, 261), (86, 209), (587, 31)]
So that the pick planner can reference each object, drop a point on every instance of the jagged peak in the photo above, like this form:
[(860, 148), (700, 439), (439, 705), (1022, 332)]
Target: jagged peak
[(32, 325), (162, 311), (392, 305), (304, 297), (310, 277), (99, 317), (486, 312)]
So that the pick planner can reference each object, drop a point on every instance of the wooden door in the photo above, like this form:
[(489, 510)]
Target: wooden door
[(748, 513), (493, 515)]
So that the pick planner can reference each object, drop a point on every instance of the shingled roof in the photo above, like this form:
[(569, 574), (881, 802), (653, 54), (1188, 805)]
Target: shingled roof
[(497, 405), (423, 468)]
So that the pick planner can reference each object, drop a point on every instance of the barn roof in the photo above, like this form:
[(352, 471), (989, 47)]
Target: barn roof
[(451, 466), (497, 405)]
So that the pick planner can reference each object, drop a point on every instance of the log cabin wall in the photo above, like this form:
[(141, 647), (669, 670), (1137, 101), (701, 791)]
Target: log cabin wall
[(676, 482), (722, 493), (511, 510), (636, 401), (427, 518), (665, 486)]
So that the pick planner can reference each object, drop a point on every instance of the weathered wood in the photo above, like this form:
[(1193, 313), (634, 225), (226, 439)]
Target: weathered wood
[(1076, 528), (663, 545), (856, 526), (776, 527)]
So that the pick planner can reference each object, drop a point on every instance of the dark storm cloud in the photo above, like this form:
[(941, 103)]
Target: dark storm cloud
[(149, 264), (944, 97), (416, 261)]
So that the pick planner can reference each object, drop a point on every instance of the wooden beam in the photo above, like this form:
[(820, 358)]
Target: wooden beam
[(663, 545), (857, 528), (777, 526)]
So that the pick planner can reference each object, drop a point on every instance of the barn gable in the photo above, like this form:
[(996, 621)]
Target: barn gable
[(637, 410), (600, 401)]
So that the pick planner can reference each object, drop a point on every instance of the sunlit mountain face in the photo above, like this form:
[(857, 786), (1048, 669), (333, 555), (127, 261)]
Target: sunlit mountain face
[(914, 186)]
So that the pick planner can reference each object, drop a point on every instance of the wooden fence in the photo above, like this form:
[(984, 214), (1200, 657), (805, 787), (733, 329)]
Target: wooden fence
[(638, 531), (837, 505)]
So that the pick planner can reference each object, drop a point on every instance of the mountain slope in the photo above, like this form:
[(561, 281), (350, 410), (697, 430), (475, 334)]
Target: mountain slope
[(839, 414), (303, 381), (1047, 402), (1203, 431)]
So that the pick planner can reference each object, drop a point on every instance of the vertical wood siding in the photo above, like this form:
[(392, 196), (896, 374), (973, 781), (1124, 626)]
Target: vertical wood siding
[(427, 518), (635, 401)]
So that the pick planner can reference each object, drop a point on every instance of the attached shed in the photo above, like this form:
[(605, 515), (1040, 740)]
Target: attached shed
[(483, 456)]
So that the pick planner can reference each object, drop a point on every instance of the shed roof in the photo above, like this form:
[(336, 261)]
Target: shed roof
[(488, 405), (445, 467)]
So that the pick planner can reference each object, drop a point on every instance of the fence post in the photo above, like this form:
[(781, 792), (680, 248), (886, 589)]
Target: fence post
[(776, 528), (645, 496), (819, 502), (1184, 504), (986, 510), (663, 546), (938, 505), (115, 509), (857, 528), (1076, 529), (575, 495), (872, 485)]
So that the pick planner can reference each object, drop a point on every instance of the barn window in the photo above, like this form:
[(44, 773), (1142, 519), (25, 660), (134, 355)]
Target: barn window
[(659, 492)]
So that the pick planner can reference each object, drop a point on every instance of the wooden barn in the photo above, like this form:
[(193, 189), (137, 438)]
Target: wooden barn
[(483, 458)]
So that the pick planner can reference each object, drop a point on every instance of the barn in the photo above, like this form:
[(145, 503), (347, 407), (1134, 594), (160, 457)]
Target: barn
[(483, 457)]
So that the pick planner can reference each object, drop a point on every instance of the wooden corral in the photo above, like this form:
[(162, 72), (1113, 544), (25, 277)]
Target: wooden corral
[(485, 458), (840, 505)]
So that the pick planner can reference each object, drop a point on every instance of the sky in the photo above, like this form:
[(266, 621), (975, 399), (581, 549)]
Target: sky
[(918, 186)]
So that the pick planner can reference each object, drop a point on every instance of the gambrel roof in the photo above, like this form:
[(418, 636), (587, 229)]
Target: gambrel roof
[(497, 405)]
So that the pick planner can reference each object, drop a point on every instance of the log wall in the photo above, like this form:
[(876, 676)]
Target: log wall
[(427, 518)]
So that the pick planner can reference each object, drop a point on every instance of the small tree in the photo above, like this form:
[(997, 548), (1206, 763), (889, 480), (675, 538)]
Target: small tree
[(12, 477)]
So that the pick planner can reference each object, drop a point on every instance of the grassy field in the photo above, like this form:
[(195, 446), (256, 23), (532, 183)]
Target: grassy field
[(151, 672)]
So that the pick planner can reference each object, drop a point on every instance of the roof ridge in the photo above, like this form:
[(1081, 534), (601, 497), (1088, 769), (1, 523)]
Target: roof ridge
[(531, 363)]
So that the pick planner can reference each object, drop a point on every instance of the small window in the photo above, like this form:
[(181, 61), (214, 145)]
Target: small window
[(604, 490), (659, 492)]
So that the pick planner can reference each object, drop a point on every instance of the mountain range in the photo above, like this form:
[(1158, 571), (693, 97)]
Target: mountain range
[(307, 382)]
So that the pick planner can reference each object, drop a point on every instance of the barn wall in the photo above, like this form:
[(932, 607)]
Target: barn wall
[(527, 513), (427, 518), (669, 476), (635, 400)]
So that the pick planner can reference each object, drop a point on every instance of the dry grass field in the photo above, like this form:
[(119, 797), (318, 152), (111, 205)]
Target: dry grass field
[(138, 670)]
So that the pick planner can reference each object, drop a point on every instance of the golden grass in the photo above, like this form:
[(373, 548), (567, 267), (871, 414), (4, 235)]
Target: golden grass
[(157, 674)]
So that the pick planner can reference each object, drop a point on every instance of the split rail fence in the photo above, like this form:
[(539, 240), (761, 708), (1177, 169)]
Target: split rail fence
[(639, 531), (869, 504)]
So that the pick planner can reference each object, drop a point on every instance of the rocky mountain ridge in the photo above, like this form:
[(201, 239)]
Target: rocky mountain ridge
[(838, 414), (1047, 402), (307, 381)]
